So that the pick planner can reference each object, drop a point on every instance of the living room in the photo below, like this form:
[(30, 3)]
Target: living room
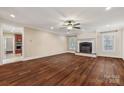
[(85, 47)]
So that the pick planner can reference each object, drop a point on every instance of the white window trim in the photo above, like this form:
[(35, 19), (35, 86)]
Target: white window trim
[(114, 39)]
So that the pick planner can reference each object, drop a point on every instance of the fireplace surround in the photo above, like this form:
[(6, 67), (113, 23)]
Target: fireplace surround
[(86, 46)]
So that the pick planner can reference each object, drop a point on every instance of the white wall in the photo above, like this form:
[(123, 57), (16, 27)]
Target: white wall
[(42, 43)]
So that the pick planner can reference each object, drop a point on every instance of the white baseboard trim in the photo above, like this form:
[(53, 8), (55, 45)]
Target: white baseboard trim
[(109, 56), (31, 58), (88, 55), (12, 60), (122, 57), (70, 51), (36, 57)]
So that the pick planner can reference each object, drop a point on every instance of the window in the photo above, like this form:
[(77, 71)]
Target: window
[(108, 41), (72, 43)]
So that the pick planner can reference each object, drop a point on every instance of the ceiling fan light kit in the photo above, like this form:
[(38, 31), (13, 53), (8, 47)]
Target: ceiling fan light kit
[(69, 27), (71, 24)]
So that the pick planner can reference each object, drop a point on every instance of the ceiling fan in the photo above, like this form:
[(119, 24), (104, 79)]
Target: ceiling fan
[(71, 24)]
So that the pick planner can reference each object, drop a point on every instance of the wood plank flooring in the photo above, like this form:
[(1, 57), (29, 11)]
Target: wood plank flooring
[(64, 70)]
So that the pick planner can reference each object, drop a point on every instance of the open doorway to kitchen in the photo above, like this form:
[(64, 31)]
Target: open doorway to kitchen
[(13, 47), (11, 44)]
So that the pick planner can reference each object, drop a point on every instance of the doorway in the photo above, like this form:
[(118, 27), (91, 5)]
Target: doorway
[(12, 46), (8, 47)]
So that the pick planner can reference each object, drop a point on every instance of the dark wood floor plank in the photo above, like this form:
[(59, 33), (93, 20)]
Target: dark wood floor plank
[(64, 70)]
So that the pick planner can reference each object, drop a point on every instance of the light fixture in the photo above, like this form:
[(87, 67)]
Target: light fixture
[(69, 27), (51, 27), (12, 15), (108, 8)]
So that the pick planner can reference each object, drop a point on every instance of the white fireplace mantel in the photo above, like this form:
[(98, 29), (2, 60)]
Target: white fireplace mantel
[(91, 40)]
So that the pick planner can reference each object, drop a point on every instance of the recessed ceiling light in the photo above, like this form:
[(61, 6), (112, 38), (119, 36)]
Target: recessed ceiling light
[(108, 8), (51, 27), (12, 15)]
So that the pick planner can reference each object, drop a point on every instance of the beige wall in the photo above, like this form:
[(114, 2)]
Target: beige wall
[(86, 35), (123, 44), (118, 46), (1, 47), (41, 43)]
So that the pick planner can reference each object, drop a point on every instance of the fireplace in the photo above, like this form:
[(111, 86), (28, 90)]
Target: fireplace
[(85, 47)]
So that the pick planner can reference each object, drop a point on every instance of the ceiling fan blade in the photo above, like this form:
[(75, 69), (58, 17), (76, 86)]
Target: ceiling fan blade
[(65, 25), (76, 24), (77, 27)]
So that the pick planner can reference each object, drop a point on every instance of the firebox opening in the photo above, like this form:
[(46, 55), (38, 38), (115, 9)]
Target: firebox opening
[(85, 47)]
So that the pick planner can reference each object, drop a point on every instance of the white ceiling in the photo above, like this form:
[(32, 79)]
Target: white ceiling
[(90, 18)]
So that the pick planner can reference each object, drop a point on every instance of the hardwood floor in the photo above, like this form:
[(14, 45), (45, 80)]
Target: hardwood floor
[(64, 69)]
